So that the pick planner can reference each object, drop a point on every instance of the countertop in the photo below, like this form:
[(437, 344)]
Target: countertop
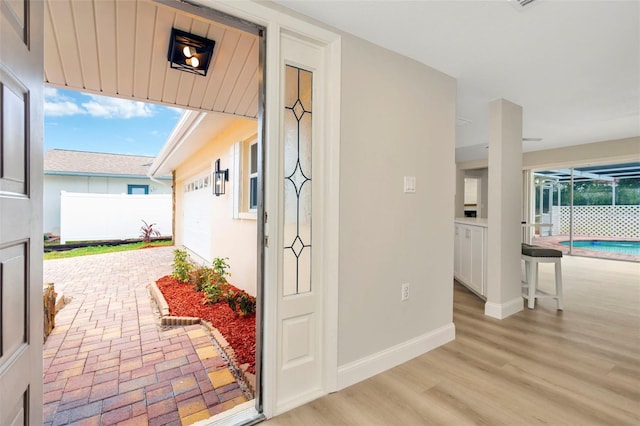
[(475, 221)]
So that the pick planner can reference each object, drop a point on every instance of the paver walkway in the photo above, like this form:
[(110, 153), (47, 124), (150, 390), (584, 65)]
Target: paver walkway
[(108, 361)]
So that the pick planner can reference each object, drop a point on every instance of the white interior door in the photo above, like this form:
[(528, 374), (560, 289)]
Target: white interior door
[(300, 296), (21, 87)]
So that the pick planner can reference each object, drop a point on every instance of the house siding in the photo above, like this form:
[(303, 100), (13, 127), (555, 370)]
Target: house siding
[(232, 238)]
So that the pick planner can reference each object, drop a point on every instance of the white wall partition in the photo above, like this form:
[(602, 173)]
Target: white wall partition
[(398, 119), (89, 217)]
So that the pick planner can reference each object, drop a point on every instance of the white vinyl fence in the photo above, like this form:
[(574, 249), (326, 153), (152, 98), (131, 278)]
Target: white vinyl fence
[(91, 217), (602, 221)]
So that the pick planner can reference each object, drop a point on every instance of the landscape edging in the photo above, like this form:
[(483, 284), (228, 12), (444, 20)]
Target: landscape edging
[(168, 320)]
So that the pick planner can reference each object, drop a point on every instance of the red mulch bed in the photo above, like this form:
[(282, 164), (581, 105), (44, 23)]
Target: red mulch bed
[(240, 332)]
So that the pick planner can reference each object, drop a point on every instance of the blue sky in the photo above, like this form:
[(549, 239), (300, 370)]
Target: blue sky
[(85, 122)]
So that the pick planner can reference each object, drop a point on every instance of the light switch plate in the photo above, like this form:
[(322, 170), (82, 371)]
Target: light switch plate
[(409, 184)]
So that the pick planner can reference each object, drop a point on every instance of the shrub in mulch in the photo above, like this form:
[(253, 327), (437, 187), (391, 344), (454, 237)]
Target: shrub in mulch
[(239, 331)]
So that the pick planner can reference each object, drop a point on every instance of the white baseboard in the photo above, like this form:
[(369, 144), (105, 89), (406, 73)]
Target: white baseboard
[(504, 310), (369, 366)]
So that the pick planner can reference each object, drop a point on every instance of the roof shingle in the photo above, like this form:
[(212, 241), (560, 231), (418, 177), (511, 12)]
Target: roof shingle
[(95, 163)]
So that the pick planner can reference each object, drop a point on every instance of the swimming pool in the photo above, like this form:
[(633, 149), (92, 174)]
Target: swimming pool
[(622, 247)]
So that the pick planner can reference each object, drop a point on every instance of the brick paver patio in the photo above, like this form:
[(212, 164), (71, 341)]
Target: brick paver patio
[(108, 361)]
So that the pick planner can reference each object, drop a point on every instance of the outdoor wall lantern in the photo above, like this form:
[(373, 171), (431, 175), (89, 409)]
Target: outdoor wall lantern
[(189, 52), (219, 179)]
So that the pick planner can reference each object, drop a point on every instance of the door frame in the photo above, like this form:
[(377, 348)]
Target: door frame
[(21, 214), (276, 23)]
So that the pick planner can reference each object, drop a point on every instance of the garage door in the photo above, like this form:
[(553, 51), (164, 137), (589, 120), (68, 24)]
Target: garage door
[(197, 198)]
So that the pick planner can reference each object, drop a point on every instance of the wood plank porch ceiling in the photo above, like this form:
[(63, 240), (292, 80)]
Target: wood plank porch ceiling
[(119, 48)]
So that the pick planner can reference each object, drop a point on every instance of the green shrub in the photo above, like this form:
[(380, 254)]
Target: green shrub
[(213, 283), (214, 292), (241, 302), (220, 266), (181, 266), (216, 286), (203, 276)]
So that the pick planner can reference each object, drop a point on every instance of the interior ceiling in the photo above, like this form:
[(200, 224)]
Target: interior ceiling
[(574, 66), (119, 48), (610, 173)]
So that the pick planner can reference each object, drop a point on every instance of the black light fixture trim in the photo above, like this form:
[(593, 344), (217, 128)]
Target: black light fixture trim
[(219, 179), (199, 49)]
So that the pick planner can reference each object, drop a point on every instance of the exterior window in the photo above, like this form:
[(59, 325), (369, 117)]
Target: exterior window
[(138, 189), (244, 178), (253, 177)]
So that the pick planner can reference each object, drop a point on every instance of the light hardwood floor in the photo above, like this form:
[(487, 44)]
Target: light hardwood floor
[(580, 366)]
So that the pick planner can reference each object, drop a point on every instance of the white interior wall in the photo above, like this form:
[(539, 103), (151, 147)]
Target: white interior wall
[(604, 152), (398, 119)]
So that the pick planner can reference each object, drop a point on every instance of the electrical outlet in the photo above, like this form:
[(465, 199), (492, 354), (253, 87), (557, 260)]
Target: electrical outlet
[(405, 291)]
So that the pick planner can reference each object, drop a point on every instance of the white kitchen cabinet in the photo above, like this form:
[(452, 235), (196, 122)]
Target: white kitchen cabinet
[(470, 255)]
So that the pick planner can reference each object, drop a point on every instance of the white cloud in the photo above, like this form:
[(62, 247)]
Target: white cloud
[(104, 107), (58, 109), (50, 92), (57, 105)]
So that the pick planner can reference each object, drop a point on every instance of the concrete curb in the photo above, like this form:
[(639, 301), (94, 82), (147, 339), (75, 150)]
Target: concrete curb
[(249, 379), (159, 298)]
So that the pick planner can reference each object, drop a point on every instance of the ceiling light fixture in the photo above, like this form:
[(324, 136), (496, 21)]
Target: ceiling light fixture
[(189, 52)]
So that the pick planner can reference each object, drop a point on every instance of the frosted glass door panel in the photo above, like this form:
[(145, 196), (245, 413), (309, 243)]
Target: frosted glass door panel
[(297, 181)]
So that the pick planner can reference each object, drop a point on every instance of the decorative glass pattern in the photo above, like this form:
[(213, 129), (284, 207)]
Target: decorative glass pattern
[(297, 181)]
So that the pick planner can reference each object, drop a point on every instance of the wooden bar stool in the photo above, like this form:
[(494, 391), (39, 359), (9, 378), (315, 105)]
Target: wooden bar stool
[(532, 256)]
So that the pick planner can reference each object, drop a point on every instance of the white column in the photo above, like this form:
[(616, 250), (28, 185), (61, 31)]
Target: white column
[(505, 201)]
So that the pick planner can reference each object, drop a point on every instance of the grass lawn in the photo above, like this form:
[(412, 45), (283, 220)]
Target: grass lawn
[(85, 251)]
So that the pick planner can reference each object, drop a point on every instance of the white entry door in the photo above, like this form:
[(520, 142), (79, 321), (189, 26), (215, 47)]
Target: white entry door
[(21, 87)]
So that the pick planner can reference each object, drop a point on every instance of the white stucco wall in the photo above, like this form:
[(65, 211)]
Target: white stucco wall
[(229, 237), (54, 184), (398, 119)]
